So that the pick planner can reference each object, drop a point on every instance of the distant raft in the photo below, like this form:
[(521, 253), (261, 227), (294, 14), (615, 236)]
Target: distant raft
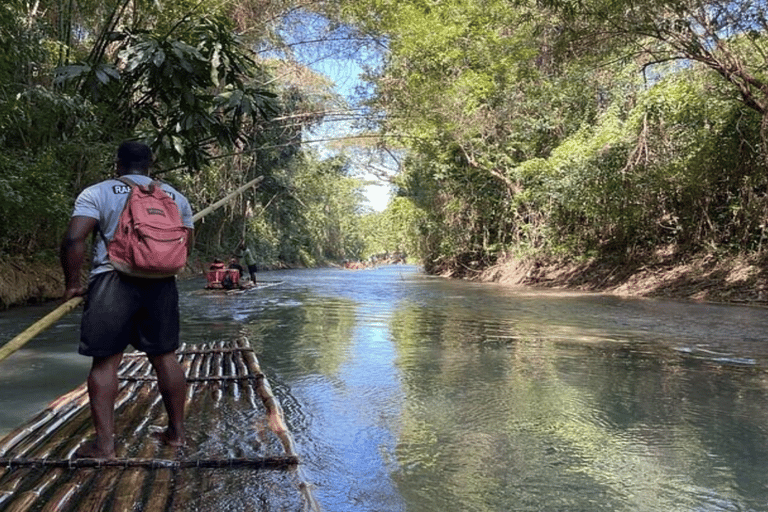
[(247, 287), (240, 454)]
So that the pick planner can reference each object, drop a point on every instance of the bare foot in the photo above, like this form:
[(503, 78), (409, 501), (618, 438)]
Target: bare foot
[(164, 437), (91, 450)]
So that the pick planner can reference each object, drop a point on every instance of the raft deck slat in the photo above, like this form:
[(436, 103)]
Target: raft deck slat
[(37, 471)]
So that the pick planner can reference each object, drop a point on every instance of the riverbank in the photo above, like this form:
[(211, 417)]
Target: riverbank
[(737, 280), (706, 278), (23, 283)]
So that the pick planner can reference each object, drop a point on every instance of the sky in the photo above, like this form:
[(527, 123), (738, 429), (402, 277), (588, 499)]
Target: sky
[(378, 196), (345, 74)]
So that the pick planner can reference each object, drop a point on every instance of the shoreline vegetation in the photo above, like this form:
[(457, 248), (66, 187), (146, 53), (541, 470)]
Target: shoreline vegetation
[(702, 278)]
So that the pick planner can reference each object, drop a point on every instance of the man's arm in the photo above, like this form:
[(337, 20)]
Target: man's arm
[(72, 254)]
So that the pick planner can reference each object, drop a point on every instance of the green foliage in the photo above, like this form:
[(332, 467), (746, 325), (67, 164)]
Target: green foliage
[(182, 91), (305, 214), (318, 215), (33, 201), (569, 127), (578, 128), (397, 229)]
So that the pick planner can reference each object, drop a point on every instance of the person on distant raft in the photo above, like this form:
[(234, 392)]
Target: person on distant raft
[(250, 261), (121, 310), (234, 264)]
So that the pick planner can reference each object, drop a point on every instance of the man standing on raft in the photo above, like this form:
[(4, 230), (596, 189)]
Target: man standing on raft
[(121, 310)]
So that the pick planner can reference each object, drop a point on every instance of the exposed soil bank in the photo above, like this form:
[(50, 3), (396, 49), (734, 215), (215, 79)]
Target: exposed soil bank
[(22, 282), (739, 280)]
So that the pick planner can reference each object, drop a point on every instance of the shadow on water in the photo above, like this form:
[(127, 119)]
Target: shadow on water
[(408, 392)]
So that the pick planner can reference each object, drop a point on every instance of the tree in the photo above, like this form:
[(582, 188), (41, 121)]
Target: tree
[(80, 76), (578, 128), (728, 37)]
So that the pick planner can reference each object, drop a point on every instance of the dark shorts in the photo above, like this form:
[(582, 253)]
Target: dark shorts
[(121, 311)]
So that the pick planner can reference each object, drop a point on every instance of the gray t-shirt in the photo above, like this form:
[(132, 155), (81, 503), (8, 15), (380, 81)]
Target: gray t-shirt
[(104, 202)]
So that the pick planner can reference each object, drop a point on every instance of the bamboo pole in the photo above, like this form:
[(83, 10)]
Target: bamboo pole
[(188, 485), (215, 206), (63, 403), (26, 500), (132, 419), (38, 327), (161, 490), (261, 427), (275, 420), (274, 410), (29, 436), (205, 480), (99, 489), (229, 362), (218, 374), (11, 484), (241, 344), (210, 378), (94, 488), (129, 487), (61, 497)]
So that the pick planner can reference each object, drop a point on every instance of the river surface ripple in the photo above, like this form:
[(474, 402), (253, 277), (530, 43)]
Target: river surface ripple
[(406, 392)]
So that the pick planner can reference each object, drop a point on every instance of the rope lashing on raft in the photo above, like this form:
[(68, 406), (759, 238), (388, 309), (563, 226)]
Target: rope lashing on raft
[(280, 462), (151, 378)]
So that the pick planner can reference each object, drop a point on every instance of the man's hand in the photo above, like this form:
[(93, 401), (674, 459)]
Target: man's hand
[(77, 291)]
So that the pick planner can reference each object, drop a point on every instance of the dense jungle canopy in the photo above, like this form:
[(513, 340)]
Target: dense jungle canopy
[(534, 128)]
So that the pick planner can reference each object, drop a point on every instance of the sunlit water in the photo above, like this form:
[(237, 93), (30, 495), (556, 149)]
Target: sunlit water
[(412, 393)]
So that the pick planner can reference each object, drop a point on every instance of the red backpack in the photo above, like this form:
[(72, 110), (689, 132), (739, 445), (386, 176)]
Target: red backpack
[(150, 239)]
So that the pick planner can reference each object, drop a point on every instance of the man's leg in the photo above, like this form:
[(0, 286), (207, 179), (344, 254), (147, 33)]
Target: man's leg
[(102, 392), (173, 388)]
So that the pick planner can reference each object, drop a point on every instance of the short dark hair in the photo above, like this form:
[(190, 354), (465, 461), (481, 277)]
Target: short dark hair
[(134, 155)]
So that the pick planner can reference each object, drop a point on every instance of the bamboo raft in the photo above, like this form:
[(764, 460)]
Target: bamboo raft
[(237, 291), (239, 453)]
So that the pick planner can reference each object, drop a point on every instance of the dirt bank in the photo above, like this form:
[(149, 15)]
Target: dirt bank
[(739, 280), (23, 282)]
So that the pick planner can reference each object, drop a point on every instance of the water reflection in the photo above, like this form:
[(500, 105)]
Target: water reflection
[(408, 392), (453, 396)]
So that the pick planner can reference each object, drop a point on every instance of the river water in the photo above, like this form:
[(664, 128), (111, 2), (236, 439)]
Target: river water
[(406, 392)]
